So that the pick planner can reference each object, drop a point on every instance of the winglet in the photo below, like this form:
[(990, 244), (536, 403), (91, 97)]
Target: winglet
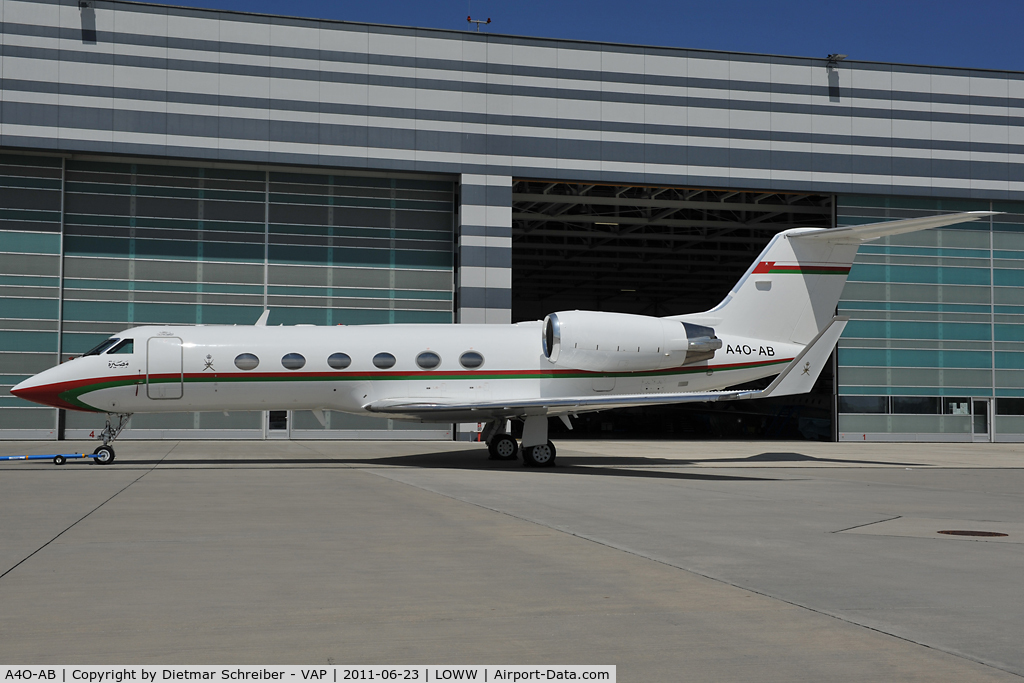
[(801, 374), (262, 322)]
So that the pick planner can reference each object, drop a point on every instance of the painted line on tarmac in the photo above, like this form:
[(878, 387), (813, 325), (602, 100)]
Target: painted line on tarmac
[(73, 524)]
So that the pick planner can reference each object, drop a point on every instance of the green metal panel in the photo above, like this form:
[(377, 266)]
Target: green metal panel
[(1009, 424), (30, 206), (155, 243), (933, 313)]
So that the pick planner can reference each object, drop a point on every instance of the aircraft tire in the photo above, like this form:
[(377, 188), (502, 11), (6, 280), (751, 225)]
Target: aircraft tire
[(59, 460), (104, 455), (539, 456), (503, 447)]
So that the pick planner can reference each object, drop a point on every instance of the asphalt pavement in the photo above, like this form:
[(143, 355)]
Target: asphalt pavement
[(675, 561)]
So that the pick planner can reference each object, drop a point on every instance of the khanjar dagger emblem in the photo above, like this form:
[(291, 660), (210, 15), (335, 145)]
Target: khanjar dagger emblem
[(807, 367), (209, 363)]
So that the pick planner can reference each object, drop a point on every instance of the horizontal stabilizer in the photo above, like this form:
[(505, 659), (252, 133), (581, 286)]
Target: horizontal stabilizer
[(854, 234)]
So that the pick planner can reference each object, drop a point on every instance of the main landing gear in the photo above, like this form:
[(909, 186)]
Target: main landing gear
[(500, 444), (542, 455), (537, 450), (503, 447), (104, 455)]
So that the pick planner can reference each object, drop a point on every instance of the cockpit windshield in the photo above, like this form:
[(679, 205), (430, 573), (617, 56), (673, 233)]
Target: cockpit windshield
[(125, 346), (101, 347)]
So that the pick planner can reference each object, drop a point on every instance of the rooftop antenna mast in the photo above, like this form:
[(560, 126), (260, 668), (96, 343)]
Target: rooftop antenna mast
[(471, 20)]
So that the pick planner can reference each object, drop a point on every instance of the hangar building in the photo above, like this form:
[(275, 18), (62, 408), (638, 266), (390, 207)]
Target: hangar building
[(170, 165)]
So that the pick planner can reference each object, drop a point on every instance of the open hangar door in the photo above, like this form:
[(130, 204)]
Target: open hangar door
[(659, 251)]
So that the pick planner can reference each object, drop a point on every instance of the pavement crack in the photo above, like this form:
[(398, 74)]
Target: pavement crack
[(858, 526), (83, 517)]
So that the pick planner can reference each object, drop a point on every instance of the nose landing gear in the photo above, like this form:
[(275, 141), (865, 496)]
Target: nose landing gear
[(104, 455)]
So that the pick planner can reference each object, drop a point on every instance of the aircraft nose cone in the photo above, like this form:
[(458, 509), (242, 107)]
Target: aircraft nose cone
[(21, 388), (37, 392)]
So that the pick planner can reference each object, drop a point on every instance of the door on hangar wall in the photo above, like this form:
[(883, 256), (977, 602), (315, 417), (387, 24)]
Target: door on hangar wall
[(659, 251)]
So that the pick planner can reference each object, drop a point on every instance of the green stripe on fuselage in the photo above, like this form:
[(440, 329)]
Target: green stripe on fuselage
[(72, 396)]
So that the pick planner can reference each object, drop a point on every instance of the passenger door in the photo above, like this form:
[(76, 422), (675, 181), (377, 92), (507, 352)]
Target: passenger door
[(164, 377)]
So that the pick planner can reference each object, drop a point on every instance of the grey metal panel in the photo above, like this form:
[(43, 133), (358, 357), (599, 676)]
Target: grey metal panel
[(798, 87), (29, 114), (903, 166), (411, 83), (485, 297), (437, 141), (536, 72), (497, 196), (522, 143), (663, 154), (391, 138), (487, 231), (347, 136), (476, 195), (872, 165), (708, 156), (750, 158)]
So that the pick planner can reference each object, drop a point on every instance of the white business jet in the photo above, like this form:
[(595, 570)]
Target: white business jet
[(778, 320)]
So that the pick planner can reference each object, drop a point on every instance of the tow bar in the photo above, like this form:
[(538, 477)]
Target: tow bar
[(58, 459)]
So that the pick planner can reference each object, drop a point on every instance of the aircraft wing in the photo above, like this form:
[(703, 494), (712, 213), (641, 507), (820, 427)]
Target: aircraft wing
[(796, 378), (552, 406)]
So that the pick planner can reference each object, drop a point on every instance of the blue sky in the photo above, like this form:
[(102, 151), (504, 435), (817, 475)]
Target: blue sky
[(985, 34)]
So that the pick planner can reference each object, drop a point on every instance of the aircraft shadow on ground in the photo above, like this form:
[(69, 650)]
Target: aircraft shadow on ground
[(759, 458), (469, 460), (800, 457)]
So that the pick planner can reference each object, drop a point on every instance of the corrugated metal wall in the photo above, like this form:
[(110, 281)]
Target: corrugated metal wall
[(153, 80), (937, 320), (30, 245), (159, 243)]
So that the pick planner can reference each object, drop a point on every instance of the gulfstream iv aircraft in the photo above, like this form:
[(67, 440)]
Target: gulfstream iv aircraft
[(778, 320)]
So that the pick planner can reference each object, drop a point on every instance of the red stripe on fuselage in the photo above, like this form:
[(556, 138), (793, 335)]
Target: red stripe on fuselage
[(49, 394)]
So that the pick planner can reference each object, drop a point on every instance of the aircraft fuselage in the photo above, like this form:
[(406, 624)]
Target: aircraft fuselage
[(193, 368)]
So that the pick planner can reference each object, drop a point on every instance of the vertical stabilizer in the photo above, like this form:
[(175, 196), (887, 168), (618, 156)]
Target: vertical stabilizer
[(790, 293)]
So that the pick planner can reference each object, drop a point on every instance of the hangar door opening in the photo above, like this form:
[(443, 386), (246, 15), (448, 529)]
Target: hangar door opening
[(659, 251)]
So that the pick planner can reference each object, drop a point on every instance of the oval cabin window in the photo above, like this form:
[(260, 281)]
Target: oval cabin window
[(293, 361), (471, 360), (384, 361), (428, 360), (339, 361), (246, 361)]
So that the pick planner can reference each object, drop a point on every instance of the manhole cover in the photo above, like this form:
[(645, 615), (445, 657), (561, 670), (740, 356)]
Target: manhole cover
[(960, 532)]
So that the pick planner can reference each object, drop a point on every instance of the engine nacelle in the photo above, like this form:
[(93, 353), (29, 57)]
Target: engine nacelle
[(619, 342)]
